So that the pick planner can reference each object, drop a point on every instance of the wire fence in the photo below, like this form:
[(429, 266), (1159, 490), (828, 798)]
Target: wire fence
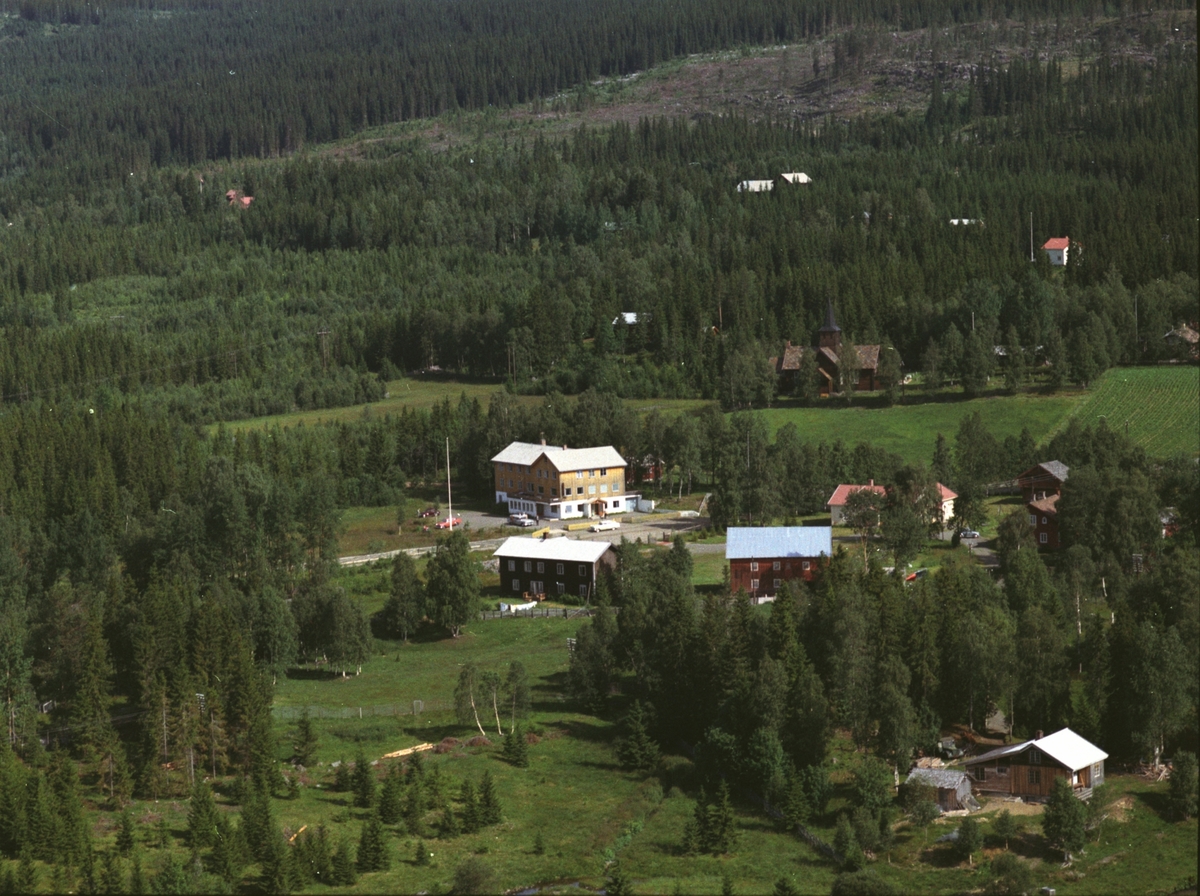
[(413, 708), (541, 613)]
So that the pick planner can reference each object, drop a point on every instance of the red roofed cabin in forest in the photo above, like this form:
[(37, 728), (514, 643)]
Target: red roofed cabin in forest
[(237, 200), (837, 501), (1056, 249), (829, 359)]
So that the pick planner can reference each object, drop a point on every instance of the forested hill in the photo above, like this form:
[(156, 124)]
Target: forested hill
[(114, 87)]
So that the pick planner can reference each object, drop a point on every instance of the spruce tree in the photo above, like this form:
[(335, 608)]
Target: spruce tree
[(363, 782), (202, 816), (471, 821), (448, 826), (422, 854), (345, 872), (637, 751), (490, 811), (125, 834), (391, 798), (1064, 819), (138, 886), (722, 822), (305, 745), (516, 749), (414, 806), (372, 846), (341, 777), (27, 873)]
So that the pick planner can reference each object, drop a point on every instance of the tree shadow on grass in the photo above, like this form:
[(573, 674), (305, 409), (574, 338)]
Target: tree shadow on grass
[(591, 732), (300, 673), (1158, 803)]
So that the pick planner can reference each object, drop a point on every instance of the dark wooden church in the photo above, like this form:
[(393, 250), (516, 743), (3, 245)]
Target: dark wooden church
[(831, 355)]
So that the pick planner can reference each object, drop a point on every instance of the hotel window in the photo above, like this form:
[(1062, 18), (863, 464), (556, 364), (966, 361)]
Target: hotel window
[(604, 488), (560, 569), (775, 566), (541, 490), (754, 584), (754, 566), (541, 566), (554, 492), (591, 489), (512, 565), (604, 472), (616, 486)]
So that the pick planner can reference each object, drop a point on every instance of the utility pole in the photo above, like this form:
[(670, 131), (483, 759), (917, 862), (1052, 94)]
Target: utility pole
[(449, 496), (1031, 237), (324, 349)]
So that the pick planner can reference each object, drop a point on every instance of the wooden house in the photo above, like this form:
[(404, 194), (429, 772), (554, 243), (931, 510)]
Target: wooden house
[(953, 787), (556, 482), (946, 499), (762, 560), (1028, 769), (555, 567), (1043, 516), (1043, 480)]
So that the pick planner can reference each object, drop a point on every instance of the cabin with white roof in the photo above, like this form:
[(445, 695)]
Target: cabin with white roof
[(1028, 769), (559, 483)]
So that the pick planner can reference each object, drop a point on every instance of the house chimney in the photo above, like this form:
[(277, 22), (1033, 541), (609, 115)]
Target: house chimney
[(1038, 735), (871, 484), (543, 435)]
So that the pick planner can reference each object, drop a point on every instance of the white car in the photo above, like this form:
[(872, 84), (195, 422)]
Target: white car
[(606, 526)]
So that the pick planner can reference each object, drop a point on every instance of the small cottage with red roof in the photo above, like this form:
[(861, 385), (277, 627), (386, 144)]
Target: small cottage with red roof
[(1056, 250)]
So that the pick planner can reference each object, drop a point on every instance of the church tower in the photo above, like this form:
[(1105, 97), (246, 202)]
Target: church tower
[(830, 335)]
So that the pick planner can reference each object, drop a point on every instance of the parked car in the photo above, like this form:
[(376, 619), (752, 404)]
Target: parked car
[(446, 524), (427, 513), (606, 526), (967, 533), (520, 519)]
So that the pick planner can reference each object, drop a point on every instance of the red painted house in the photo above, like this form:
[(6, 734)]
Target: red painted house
[(763, 560)]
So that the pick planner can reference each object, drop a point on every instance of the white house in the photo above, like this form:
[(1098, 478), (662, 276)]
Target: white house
[(796, 177), (946, 497), (1056, 250)]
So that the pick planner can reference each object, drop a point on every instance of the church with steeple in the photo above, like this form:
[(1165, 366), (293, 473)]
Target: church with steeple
[(830, 357)]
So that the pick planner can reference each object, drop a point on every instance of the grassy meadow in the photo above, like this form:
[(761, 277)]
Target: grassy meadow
[(909, 430), (585, 809)]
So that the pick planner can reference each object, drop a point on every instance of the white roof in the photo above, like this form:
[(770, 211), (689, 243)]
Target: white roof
[(523, 453), (629, 318), (1065, 747), (565, 460), (587, 459), (756, 186), (796, 177), (565, 549), (1070, 749)]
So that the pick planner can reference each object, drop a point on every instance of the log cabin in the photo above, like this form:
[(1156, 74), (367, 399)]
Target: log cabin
[(1028, 769)]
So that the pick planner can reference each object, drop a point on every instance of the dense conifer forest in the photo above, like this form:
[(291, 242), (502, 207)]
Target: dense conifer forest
[(147, 557)]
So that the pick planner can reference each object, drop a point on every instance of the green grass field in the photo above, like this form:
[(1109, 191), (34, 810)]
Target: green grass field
[(910, 430), (1159, 407)]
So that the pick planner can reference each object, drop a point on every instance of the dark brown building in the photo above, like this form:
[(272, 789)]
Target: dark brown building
[(1028, 769), (558, 568), (831, 354), (1043, 480), (1043, 516)]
